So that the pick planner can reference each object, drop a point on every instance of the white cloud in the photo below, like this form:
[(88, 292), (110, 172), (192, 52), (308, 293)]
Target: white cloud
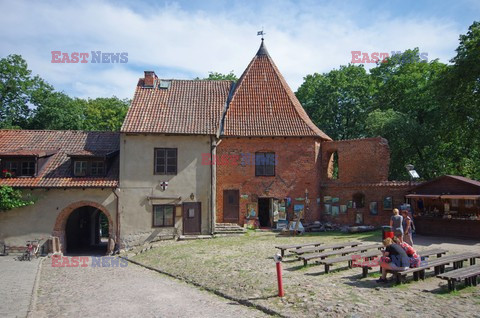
[(302, 39)]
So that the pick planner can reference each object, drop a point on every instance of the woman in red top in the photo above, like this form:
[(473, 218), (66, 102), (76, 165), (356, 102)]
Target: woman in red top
[(415, 259)]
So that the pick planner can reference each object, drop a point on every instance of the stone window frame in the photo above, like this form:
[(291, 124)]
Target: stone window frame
[(154, 207)]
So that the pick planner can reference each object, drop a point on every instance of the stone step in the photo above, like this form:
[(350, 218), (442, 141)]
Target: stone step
[(194, 237)]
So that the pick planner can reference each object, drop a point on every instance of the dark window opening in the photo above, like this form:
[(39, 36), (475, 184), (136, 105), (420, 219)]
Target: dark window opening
[(163, 215), (89, 168), (19, 168), (332, 172), (165, 161), (265, 163), (358, 200), (80, 168)]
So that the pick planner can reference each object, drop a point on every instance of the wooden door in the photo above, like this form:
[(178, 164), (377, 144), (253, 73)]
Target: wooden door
[(192, 218), (231, 199)]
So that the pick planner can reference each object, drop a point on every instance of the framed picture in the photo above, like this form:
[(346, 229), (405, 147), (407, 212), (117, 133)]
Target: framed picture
[(327, 199), (388, 203), (359, 218), (251, 210), (328, 209), (350, 204), (374, 208), (282, 214), (298, 209), (343, 209), (335, 210), (335, 200)]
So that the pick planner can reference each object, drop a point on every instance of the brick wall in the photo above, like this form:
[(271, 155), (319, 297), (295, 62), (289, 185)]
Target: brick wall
[(372, 193), (297, 169), (359, 160)]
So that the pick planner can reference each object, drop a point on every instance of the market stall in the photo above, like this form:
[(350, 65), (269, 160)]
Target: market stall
[(447, 206)]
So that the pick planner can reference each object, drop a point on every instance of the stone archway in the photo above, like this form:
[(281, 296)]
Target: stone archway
[(59, 229)]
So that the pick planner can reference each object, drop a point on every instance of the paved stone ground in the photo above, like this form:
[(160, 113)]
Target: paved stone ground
[(130, 291), (16, 285)]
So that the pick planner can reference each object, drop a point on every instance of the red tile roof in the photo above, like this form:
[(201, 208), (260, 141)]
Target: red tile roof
[(185, 107), (264, 105), (56, 173)]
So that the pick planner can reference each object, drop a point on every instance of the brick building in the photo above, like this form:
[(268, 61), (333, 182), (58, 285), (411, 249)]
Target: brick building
[(278, 147)]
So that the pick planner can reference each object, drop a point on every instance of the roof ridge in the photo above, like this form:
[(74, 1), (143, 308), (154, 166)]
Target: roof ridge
[(289, 97)]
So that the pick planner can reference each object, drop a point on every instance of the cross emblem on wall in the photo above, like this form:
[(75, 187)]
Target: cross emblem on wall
[(164, 185)]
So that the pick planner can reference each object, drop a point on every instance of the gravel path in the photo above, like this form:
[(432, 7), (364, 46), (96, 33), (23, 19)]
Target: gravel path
[(131, 291), (16, 285)]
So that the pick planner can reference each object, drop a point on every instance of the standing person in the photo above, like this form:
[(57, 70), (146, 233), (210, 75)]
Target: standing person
[(407, 228), (394, 259), (396, 224)]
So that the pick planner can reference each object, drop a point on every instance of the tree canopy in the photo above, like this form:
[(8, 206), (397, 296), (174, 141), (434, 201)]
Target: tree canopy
[(428, 111), (29, 102)]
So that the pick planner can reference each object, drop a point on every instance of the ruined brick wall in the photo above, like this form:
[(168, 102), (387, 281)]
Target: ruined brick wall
[(359, 160), (297, 169)]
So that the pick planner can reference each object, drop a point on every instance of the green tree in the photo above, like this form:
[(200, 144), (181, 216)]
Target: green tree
[(459, 93), (338, 101), (407, 112), (58, 111), (11, 198), (105, 113), (215, 76), (17, 85)]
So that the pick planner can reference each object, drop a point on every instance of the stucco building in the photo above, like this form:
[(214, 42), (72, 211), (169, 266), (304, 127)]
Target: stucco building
[(192, 154), (72, 177)]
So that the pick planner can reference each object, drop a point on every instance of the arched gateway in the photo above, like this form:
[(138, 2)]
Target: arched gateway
[(81, 228)]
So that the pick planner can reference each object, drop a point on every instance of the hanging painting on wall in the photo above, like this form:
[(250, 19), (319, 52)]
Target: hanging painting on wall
[(373, 208), (335, 210), (343, 208), (388, 203)]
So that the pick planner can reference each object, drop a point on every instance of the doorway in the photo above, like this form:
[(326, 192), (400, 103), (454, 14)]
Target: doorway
[(264, 209), (231, 206), (192, 218), (87, 231)]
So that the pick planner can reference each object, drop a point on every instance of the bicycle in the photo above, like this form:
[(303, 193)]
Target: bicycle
[(33, 248)]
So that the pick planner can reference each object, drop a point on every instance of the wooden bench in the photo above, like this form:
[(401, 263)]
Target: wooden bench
[(423, 255), (322, 248), (342, 251), (438, 264), (469, 274), (283, 248)]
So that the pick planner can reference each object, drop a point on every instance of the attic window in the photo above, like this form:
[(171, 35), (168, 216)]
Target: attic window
[(164, 84)]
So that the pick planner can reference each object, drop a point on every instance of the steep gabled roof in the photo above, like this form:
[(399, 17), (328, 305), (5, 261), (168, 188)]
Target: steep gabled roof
[(56, 145), (264, 105), (184, 107)]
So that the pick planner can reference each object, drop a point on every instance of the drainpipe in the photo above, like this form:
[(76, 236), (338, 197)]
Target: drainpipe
[(213, 184), (117, 218)]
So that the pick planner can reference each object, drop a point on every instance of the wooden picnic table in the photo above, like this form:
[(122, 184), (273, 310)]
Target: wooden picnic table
[(321, 248), (283, 248), (469, 274), (343, 251)]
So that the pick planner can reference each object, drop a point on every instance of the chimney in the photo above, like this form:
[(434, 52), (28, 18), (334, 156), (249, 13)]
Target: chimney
[(149, 80)]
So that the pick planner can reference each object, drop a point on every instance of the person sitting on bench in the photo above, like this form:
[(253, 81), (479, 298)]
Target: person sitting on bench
[(415, 259), (394, 259)]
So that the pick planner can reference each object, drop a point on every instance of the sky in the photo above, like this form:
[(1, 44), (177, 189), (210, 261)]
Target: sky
[(188, 39)]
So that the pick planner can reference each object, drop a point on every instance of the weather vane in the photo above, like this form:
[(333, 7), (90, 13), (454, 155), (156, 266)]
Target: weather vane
[(261, 33)]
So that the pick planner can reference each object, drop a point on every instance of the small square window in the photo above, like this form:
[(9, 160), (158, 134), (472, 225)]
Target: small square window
[(163, 215), (165, 161), (97, 168), (28, 168), (80, 168)]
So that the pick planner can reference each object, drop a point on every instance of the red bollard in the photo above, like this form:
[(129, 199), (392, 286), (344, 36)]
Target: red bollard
[(278, 262)]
